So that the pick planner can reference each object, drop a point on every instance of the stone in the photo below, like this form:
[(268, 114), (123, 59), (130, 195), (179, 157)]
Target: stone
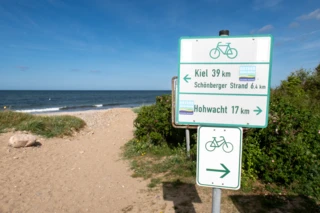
[(22, 140)]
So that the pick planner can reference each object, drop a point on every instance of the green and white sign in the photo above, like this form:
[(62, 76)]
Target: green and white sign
[(224, 81), (219, 157)]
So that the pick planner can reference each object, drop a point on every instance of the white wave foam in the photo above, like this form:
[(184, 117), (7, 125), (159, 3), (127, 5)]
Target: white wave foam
[(38, 110), (99, 105)]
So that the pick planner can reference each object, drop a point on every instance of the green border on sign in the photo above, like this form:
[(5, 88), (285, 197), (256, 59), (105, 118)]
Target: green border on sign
[(240, 160), (218, 124)]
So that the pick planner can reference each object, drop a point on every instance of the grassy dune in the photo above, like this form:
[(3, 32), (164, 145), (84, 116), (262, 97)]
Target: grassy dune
[(47, 126)]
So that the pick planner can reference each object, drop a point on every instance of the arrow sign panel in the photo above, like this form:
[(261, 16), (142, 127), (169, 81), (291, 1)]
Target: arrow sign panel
[(219, 110), (186, 78), (225, 171), (219, 157), (258, 110)]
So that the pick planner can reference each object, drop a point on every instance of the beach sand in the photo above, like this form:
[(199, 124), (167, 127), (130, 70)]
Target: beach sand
[(86, 173)]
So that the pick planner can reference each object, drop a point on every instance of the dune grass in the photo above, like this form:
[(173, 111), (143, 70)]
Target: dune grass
[(136, 109), (47, 126)]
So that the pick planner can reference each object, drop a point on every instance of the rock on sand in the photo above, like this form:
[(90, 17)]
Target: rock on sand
[(22, 140)]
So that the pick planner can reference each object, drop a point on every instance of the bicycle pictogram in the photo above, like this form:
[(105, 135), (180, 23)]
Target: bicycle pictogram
[(229, 52), (212, 145)]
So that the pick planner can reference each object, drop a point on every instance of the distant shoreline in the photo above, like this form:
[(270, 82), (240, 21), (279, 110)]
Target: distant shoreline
[(36, 102), (92, 111), (77, 110), (21, 90), (84, 111)]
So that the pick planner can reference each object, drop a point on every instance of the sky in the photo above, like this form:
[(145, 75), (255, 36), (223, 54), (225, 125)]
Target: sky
[(133, 44)]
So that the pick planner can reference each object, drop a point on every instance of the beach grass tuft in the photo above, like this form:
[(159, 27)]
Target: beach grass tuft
[(136, 109), (47, 126), (148, 161)]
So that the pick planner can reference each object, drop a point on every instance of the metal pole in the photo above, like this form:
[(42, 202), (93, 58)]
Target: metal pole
[(188, 142), (216, 200), (224, 33), (216, 193)]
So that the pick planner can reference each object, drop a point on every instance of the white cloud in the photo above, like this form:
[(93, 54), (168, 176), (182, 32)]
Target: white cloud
[(294, 25), (266, 28), (313, 15), (311, 45), (263, 29), (17, 16), (298, 37), (56, 3), (301, 38), (260, 4)]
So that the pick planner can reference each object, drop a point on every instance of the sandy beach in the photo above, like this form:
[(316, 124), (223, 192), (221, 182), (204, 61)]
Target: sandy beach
[(86, 173)]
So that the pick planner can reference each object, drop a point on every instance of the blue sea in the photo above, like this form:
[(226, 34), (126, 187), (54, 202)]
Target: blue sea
[(54, 101)]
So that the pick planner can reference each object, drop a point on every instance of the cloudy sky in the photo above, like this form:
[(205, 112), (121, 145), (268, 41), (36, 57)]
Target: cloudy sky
[(122, 44)]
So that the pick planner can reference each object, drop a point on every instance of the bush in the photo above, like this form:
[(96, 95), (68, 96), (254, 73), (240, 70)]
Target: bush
[(287, 152), (153, 124)]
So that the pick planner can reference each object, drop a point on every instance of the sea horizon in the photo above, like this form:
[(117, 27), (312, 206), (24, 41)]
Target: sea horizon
[(83, 90), (44, 101)]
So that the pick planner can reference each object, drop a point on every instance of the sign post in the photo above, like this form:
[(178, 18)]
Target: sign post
[(173, 94), (223, 82)]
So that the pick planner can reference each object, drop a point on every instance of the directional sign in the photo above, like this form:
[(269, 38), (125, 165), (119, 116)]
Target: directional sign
[(224, 81), (219, 157), (186, 78)]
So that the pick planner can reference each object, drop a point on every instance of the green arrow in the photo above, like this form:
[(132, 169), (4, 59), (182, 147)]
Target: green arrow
[(186, 78), (226, 170), (258, 110)]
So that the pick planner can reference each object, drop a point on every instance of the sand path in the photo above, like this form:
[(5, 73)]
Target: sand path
[(79, 174), (85, 173)]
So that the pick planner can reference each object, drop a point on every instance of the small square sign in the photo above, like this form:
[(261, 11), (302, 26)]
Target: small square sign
[(219, 157)]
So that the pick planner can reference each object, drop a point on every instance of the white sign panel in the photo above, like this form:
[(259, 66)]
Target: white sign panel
[(219, 157), (226, 49), (224, 81)]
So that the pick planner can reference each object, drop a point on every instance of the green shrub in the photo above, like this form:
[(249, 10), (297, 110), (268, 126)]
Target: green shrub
[(153, 124), (251, 156), (287, 152)]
